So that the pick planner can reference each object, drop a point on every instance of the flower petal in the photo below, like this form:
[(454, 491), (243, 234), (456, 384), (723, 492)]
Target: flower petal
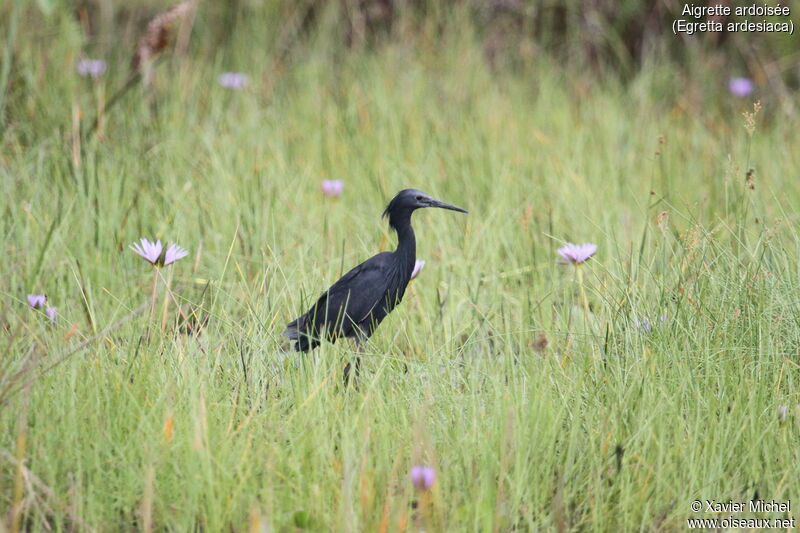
[(150, 251), (332, 187), (174, 252), (233, 80), (741, 87), (577, 253), (418, 266), (37, 300), (423, 477)]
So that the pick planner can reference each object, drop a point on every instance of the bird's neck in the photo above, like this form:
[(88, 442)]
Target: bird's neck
[(406, 245)]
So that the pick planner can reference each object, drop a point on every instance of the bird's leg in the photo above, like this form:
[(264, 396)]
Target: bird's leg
[(356, 368)]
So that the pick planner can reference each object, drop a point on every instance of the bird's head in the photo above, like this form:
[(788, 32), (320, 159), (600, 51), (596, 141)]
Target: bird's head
[(407, 200)]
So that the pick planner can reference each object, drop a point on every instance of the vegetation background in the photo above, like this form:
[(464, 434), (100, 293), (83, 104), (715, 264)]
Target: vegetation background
[(603, 397)]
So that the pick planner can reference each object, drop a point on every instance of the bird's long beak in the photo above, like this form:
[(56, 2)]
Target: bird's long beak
[(445, 205)]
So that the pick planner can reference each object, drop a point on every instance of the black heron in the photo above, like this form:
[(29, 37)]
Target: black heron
[(355, 305)]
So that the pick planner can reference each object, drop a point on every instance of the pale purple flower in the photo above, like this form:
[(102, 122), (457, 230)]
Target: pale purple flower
[(741, 87), (174, 252), (577, 253), (332, 187), (154, 252), (37, 300), (423, 477), (92, 67), (51, 312), (643, 324), (418, 266), (151, 251), (646, 325), (233, 80), (782, 410)]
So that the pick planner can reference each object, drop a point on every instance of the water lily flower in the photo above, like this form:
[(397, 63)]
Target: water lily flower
[(741, 87), (423, 477), (92, 67), (37, 300), (418, 266), (51, 312), (174, 252), (151, 251), (577, 253), (233, 80), (332, 187)]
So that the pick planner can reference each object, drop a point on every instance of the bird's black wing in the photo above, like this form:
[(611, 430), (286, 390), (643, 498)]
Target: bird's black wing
[(345, 304)]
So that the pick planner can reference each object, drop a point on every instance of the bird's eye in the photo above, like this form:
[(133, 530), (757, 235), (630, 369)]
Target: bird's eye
[(419, 198)]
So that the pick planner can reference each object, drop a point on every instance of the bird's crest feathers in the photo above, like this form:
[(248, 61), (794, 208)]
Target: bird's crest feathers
[(398, 202)]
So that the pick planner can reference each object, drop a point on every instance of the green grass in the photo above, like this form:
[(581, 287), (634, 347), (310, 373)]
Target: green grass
[(124, 423)]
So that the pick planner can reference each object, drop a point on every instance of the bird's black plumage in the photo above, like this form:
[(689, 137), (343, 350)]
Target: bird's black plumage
[(361, 299)]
